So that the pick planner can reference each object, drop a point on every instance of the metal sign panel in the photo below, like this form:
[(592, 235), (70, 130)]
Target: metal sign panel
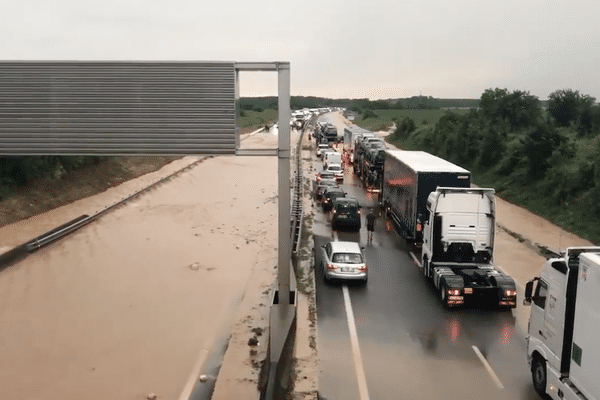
[(117, 108)]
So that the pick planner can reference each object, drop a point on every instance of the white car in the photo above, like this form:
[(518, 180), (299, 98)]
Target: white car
[(338, 172), (331, 157), (321, 147), (344, 260)]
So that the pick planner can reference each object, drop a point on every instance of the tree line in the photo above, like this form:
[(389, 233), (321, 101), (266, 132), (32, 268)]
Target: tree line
[(547, 159)]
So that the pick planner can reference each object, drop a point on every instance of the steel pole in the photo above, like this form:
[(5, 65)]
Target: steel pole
[(283, 167)]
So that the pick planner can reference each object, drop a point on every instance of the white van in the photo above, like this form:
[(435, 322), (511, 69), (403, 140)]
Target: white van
[(331, 157)]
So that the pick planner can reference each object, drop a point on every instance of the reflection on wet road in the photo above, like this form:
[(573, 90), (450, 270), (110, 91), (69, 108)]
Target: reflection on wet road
[(412, 348)]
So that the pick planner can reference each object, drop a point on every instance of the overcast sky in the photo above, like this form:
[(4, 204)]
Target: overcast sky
[(375, 49)]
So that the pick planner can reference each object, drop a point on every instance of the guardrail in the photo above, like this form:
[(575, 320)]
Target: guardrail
[(297, 213), (22, 250)]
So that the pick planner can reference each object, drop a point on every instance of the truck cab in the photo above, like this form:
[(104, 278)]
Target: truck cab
[(459, 225), (457, 251), (562, 348)]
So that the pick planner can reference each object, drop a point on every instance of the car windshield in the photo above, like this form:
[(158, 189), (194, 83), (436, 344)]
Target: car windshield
[(347, 258), (328, 182), (334, 167)]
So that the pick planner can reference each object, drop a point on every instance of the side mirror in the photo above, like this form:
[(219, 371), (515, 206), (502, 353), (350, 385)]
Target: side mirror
[(529, 292)]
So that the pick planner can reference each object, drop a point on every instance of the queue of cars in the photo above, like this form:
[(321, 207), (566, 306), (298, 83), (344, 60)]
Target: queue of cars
[(341, 260)]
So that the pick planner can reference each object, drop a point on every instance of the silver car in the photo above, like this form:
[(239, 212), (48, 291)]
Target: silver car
[(338, 172), (344, 261)]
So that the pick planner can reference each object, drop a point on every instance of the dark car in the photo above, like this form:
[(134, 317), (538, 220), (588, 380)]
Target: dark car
[(330, 194), (345, 213), (322, 185)]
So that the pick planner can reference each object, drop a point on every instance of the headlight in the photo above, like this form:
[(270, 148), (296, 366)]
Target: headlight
[(510, 292), (454, 292)]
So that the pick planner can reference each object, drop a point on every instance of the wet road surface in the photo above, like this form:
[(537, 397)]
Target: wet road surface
[(410, 346)]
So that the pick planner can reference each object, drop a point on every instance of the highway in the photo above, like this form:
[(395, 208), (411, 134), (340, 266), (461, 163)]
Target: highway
[(407, 346)]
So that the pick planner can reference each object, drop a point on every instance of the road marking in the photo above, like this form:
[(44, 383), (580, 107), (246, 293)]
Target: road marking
[(488, 367), (359, 368), (415, 259), (335, 235), (191, 382)]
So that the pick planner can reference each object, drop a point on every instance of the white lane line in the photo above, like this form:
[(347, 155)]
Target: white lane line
[(335, 235), (359, 369), (415, 258), (488, 367), (191, 382)]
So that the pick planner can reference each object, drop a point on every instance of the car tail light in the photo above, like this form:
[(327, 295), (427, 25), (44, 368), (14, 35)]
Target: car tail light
[(331, 267), (363, 268), (454, 292), (510, 292)]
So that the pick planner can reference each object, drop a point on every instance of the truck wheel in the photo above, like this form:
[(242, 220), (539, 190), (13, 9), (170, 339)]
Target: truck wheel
[(443, 295), (425, 268), (538, 373)]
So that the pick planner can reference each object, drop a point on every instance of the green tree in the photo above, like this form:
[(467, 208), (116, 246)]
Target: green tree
[(492, 145), (539, 145), (519, 109), (368, 113), (566, 106), (407, 125)]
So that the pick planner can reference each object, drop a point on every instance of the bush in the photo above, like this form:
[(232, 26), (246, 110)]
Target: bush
[(368, 113)]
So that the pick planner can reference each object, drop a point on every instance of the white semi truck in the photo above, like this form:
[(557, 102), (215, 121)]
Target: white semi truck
[(457, 250), (408, 179), (564, 326)]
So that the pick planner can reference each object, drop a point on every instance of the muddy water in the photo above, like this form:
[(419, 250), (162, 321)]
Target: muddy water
[(123, 307)]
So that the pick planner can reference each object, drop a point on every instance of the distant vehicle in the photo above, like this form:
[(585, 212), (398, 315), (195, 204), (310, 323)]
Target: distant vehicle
[(332, 157), (337, 170), (330, 133), (345, 213), (564, 325), (322, 185), (344, 261), (329, 194), (351, 133), (322, 147)]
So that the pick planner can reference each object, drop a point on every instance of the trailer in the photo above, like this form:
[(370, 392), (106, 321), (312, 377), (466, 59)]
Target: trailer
[(351, 133), (408, 179)]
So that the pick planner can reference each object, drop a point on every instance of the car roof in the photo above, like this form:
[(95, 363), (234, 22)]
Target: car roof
[(345, 247), (323, 145), (348, 200)]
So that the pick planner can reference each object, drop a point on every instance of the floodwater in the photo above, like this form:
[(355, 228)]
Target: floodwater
[(123, 307)]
